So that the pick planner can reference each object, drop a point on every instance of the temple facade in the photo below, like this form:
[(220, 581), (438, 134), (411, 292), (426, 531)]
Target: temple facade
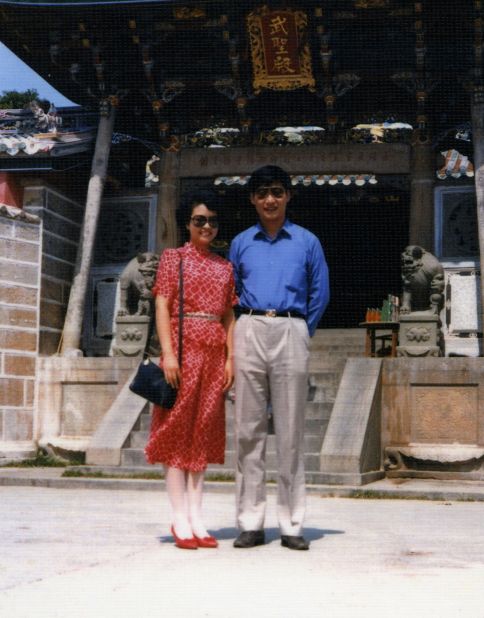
[(374, 107)]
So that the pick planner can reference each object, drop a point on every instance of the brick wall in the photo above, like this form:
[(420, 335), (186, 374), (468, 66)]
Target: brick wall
[(62, 219), (19, 317)]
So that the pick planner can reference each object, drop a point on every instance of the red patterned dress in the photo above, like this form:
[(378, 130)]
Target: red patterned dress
[(192, 433)]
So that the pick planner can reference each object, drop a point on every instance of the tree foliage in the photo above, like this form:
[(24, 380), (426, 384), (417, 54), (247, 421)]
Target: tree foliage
[(12, 99)]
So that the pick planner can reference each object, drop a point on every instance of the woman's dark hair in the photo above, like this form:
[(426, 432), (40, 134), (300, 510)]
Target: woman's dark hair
[(267, 175), (194, 198)]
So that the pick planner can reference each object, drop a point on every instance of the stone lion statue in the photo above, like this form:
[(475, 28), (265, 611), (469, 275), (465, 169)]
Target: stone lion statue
[(135, 285), (423, 281)]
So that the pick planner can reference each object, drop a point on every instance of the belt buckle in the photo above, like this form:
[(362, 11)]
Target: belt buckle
[(270, 313)]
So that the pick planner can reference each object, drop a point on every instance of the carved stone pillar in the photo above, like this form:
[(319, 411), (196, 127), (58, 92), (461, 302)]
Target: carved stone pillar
[(421, 225), (75, 309), (166, 227), (478, 140)]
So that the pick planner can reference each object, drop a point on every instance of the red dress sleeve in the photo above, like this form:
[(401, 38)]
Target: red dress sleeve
[(166, 283)]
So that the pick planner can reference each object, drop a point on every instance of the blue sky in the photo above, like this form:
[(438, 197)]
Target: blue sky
[(16, 75)]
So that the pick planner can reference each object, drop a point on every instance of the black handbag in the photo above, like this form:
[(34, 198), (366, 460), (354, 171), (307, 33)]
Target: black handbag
[(149, 381)]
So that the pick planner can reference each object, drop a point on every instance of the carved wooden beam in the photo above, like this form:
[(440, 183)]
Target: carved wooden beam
[(315, 159)]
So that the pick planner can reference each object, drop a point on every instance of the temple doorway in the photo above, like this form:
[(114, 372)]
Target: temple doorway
[(363, 232)]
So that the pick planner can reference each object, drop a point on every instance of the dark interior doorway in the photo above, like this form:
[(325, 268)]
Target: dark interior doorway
[(363, 231)]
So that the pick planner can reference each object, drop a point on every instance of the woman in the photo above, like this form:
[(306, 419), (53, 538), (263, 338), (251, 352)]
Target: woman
[(192, 434)]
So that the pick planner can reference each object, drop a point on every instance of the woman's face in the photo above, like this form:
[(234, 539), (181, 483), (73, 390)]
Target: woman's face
[(203, 226)]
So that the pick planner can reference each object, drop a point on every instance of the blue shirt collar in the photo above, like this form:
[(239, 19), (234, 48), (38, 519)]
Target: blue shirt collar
[(259, 231)]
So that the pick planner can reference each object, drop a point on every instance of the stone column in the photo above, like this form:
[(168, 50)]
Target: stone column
[(75, 309), (421, 225), (166, 227), (20, 264), (478, 141)]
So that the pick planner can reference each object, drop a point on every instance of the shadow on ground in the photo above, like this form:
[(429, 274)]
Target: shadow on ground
[(272, 534)]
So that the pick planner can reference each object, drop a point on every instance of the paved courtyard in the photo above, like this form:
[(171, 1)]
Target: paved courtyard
[(82, 553)]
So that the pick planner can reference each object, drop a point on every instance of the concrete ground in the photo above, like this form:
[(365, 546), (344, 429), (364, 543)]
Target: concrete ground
[(105, 552)]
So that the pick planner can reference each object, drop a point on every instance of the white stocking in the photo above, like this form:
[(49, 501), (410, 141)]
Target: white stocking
[(176, 486), (195, 495)]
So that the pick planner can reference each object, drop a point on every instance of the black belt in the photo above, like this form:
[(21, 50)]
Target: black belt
[(272, 313)]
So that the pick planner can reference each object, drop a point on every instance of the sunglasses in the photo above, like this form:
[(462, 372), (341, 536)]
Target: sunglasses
[(263, 192), (200, 221)]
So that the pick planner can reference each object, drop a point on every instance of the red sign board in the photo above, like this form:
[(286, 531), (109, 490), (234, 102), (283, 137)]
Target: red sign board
[(280, 61)]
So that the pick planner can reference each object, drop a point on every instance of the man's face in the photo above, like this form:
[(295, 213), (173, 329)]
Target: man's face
[(270, 202)]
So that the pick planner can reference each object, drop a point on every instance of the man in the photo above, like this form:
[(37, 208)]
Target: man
[(282, 282)]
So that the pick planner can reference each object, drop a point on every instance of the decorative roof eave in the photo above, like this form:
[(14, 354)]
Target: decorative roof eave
[(306, 181), (381, 132), (54, 145), (32, 132), (455, 165), (226, 137)]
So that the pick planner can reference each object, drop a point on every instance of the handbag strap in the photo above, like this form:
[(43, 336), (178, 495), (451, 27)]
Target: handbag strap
[(180, 313), (180, 318)]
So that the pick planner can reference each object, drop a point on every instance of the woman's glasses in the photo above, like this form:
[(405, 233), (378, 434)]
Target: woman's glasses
[(263, 192), (200, 221)]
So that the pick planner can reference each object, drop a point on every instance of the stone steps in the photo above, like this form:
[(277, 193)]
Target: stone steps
[(315, 411), (328, 354), (312, 442), (134, 457)]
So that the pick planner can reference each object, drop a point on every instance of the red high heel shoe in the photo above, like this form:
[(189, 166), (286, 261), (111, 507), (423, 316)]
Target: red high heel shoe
[(207, 541), (184, 543)]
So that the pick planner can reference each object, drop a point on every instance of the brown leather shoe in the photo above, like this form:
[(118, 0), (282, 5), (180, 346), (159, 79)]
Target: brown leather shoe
[(294, 542), (250, 538)]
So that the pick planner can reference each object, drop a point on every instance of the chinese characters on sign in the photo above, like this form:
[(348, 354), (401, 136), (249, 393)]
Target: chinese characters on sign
[(280, 38), (279, 60)]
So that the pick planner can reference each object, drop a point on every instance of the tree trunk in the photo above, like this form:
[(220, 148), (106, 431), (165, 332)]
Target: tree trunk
[(77, 299)]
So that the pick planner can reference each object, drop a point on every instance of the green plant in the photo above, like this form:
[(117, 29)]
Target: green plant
[(41, 460), (222, 477), (99, 474)]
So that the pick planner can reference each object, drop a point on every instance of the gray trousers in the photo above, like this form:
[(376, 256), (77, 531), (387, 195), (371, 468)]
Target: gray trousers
[(271, 364)]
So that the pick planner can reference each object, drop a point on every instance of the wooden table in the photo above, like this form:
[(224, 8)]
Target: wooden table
[(371, 337)]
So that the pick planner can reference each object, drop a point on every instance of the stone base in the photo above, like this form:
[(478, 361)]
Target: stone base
[(131, 335), (450, 461), (435, 474), (415, 351), (348, 478), (74, 395), (463, 346), (75, 444), (419, 335), (11, 452)]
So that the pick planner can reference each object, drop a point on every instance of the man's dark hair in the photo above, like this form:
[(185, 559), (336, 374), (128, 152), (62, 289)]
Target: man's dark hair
[(267, 175), (194, 198)]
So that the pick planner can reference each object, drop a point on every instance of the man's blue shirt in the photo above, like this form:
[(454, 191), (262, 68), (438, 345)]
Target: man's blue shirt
[(286, 273)]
